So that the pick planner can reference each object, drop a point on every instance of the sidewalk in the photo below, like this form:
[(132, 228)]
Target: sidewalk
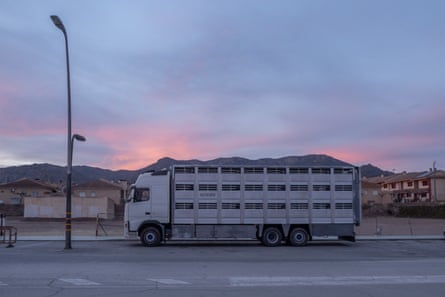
[(87, 229)]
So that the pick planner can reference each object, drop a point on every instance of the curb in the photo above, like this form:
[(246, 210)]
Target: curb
[(329, 238), (399, 237)]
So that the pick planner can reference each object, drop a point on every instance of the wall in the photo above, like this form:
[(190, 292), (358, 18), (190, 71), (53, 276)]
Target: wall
[(55, 207), (113, 194), (440, 189)]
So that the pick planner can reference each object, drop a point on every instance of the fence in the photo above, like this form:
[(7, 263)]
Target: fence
[(102, 223), (11, 239)]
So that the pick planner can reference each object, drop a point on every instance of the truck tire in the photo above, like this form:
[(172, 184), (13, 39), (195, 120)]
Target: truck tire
[(151, 236), (298, 237), (272, 236)]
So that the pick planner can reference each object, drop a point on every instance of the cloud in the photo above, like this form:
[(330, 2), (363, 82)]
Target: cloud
[(251, 78)]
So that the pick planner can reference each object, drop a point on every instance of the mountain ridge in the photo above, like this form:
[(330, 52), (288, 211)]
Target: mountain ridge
[(56, 174)]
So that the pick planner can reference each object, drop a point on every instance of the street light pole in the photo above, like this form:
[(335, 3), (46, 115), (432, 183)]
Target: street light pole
[(68, 189), (58, 23)]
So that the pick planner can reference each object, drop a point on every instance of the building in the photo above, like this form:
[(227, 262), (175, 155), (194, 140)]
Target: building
[(15, 192), (101, 188), (410, 187), (89, 200), (372, 193)]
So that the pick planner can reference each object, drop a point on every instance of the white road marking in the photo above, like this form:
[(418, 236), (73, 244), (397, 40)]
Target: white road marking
[(3, 284), (169, 281), (79, 281), (334, 280)]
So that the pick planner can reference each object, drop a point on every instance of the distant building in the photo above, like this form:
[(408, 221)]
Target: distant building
[(101, 188), (409, 187), (15, 192), (373, 194)]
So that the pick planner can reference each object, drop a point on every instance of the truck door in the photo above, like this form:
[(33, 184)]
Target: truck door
[(140, 208)]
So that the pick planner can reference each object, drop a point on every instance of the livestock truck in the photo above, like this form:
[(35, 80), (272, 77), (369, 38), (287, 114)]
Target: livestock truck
[(273, 204)]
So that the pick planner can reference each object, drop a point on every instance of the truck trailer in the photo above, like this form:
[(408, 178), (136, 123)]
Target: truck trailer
[(272, 204)]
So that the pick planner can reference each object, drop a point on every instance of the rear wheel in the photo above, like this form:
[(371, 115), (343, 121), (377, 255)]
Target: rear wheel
[(151, 236), (272, 236), (298, 237)]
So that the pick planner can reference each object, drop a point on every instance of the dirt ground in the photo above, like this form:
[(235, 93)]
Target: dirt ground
[(91, 227)]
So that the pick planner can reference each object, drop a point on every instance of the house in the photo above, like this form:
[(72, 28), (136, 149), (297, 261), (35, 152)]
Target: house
[(408, 187), (15, 192), (101, 188), (372, 192), (89, 200)]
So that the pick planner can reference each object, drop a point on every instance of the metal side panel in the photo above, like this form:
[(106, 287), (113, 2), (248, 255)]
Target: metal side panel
[(332, 230)]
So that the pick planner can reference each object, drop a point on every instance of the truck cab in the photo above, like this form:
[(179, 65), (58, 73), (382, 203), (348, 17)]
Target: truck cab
[(148, 205)]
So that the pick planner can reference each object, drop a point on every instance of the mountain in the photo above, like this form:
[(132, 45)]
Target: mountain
[(372, 171), (308, 160), (57, 174)]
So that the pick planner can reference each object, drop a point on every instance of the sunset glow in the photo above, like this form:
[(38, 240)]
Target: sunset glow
[(201, 80)]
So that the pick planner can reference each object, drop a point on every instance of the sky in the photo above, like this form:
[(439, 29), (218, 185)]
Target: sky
[(362, 81)]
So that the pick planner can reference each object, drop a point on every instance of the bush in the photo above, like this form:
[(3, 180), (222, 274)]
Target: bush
[(422, 211)]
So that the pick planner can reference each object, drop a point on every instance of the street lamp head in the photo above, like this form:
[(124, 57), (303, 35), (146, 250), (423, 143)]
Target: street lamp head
[(58, 22), (79, 137)]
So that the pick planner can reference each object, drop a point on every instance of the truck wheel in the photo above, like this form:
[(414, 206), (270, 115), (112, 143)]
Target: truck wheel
[(272, 237), (150, 236), (298, 237)]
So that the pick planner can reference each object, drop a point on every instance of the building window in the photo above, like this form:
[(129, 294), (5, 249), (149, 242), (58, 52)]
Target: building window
[(82, 194), (93, 194)]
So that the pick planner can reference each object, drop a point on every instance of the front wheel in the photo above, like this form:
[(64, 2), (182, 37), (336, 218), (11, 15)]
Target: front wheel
[(151, 236), (298, 237), (272, 236)]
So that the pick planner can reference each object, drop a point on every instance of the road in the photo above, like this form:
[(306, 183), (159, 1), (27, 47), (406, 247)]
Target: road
[(122, 268)]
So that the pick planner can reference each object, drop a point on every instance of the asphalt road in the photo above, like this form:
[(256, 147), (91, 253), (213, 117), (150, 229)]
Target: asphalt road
[(122, 268)]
